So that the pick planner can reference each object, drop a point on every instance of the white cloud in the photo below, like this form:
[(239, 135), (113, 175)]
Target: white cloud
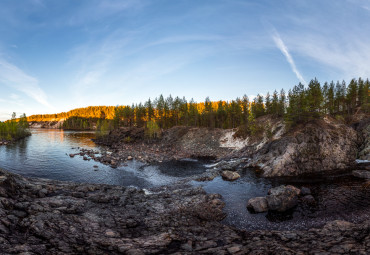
[(282, 47), (13, 77)]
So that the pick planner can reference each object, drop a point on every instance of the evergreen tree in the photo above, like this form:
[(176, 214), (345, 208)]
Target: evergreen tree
[(351, 96)]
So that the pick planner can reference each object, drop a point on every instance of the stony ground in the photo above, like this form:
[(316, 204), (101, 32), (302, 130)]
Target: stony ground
[(50, 217), (174, 143)]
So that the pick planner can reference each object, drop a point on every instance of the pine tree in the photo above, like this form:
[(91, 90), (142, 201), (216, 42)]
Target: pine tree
[(268, 103), (351, 97)]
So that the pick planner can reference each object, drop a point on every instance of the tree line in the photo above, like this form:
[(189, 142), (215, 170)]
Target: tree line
[(299, 105), (101, 112)]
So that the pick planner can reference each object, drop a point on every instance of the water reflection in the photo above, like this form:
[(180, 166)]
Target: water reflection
[(45, 155)]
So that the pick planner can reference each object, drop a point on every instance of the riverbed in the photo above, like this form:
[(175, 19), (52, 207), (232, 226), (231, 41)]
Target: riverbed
[(45, 154)]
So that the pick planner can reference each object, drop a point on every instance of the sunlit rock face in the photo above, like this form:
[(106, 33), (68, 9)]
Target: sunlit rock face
[(320, 145)]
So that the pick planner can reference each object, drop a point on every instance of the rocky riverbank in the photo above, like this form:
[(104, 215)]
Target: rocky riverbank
[(320, 145), (175, 143), (51, 217)]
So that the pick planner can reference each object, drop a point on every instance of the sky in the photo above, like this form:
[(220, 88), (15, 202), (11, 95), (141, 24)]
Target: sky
[(59, 55)]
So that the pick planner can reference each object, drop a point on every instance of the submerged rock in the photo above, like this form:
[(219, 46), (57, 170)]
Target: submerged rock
[(230, 175)]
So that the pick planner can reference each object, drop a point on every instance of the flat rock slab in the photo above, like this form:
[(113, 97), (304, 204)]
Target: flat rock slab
[(361, 174)]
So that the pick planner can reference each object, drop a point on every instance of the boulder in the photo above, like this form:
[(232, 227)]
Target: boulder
[(279, 199), (361, 174), (257, 204), (230, 175), (282, 198)]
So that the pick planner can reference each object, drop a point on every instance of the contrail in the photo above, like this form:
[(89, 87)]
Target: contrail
[(282, 47)]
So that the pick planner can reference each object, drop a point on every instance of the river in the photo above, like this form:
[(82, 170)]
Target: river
[(45, 154)]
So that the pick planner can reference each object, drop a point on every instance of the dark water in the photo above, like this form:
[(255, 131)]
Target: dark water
[(45, 155), (338, 197)]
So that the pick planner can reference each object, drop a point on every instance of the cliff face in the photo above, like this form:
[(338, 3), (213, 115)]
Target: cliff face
[(47, 124), (320, 145)]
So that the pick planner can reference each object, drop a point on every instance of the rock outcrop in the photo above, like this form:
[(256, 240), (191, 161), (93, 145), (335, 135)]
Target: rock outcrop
[(319, 145), (363, 129), (47, 124)]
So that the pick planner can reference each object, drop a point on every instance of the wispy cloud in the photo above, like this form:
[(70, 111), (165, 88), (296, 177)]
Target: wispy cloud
[(14, 77), (283, 48), (350, 58)]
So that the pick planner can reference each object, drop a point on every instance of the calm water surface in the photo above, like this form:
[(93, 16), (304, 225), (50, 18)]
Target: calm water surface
[(45, 155)]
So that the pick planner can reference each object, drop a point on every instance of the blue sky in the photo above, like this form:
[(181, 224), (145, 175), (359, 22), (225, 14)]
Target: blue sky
[(59, 55)]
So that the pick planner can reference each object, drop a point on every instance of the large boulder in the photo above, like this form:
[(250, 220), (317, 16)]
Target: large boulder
[(279, 199), (320, 145), (282, 198), (257, 204)]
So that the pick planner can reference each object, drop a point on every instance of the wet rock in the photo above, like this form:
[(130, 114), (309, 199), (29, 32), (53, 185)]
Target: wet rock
[(361, 174), (129, 158), (230, 175), (257, 204)]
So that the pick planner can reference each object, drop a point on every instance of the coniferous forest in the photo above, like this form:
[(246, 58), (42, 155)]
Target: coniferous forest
[(298, 105)]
